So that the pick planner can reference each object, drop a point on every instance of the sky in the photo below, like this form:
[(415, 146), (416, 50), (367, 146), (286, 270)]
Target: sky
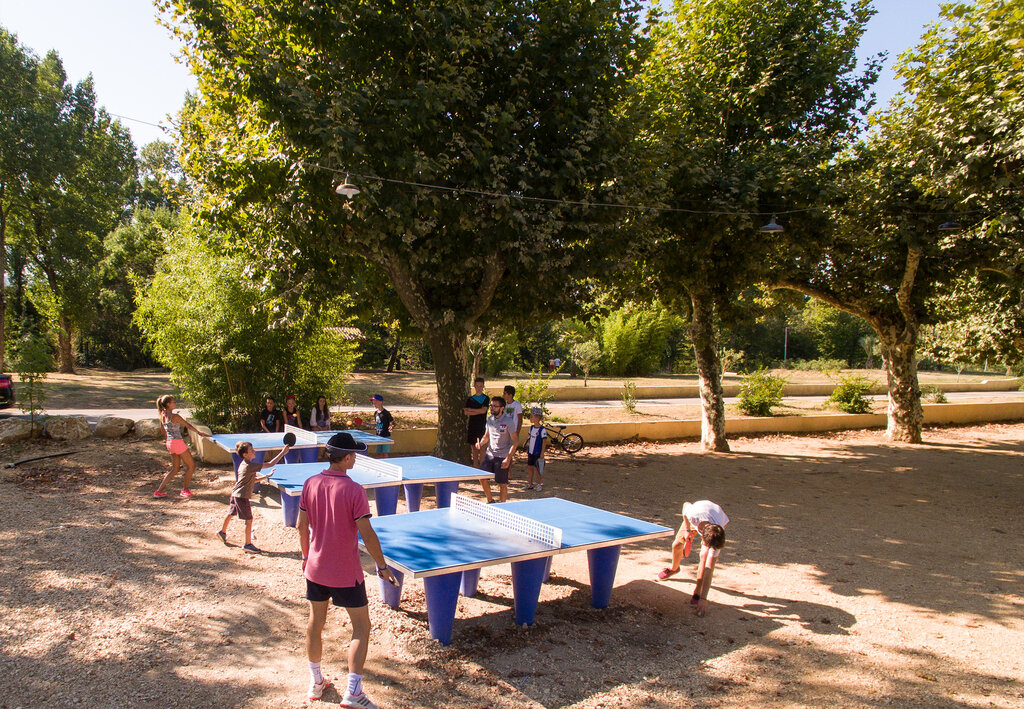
[(132, 58)]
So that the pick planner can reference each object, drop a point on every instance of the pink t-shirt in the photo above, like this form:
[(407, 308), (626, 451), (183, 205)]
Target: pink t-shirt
[(333, 502)]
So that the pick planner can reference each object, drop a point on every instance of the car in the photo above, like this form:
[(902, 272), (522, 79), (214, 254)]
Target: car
[(6, 390)]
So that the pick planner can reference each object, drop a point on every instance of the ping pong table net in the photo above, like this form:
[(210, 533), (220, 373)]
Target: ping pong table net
[(302, 436), (381, 467), (546, 534)]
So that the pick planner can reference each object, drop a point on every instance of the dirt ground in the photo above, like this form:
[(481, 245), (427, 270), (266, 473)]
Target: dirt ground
[(855, 574)]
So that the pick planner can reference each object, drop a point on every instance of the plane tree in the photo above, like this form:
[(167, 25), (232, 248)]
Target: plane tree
[(952, 146), (425, 106), (737, 111)]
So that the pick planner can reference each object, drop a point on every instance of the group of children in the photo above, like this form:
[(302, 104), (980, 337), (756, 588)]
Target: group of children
[(334, 512), (273, 420)]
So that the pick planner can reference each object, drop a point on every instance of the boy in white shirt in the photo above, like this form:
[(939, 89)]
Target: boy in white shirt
[(709, 520)]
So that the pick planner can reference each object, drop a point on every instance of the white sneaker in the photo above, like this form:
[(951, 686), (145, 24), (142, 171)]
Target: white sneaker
[(358, 701), (317, 690), (538, 488)]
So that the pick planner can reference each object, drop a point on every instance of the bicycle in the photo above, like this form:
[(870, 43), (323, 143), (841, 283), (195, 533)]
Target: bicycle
[(568, 442)]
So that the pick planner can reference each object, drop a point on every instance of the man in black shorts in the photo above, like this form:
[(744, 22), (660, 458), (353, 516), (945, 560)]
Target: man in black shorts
[(500, 444), (332, 509), (476, 426)]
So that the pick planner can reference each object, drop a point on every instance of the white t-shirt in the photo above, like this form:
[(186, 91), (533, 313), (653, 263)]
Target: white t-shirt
[(705, 511), (516, 409)]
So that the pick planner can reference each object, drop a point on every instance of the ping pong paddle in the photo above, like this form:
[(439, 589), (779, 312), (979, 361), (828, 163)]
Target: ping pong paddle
[(289, 439)]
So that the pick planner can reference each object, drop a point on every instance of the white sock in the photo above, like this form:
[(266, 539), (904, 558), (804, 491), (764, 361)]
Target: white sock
[(355, 684), (314, 673)]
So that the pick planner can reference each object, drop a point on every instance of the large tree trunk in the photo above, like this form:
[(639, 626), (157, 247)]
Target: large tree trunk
[(65, 355), (905, 413), (448, 347), (447, 339), (702, 332)]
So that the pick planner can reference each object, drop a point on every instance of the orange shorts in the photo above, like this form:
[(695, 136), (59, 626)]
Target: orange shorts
[(176, 446)]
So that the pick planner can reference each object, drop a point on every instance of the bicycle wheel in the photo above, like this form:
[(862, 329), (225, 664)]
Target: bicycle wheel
[(572, 443)]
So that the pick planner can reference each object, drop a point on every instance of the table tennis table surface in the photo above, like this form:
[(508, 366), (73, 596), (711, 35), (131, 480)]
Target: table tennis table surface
[(442, 541), (419, 469), (263, 441)]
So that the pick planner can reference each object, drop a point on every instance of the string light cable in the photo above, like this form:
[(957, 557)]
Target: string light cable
[(550, 200)]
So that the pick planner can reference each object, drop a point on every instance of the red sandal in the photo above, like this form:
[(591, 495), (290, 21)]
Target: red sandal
[(666, 573)]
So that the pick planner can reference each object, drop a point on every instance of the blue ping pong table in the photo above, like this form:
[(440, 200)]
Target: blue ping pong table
[(448, 547), (385, 477), (305, 450)]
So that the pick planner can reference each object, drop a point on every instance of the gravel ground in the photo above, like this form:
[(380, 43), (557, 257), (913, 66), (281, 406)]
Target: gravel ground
[(855, 574)]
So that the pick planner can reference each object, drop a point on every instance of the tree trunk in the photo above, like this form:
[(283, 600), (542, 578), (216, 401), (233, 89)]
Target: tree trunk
[(394, 352), (3, 276), (477, 354), (702, 332), (65, 356), (448, 347), (905, 413)]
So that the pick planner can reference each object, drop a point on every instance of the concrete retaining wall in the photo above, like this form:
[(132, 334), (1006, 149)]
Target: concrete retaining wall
[(421, 440), (687, 391)]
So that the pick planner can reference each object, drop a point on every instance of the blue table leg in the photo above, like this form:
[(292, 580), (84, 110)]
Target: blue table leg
[(603, 563), (470, 579), (444, 493), (413, 494), (290, 508), (442, 598), (309, 455), (293, 456), (392, 595), (527, 578), (547, 569), (387, 500)]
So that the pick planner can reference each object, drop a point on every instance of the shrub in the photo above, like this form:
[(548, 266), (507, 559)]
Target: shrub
[(586, 354), (32, 361), (817, 365), (850, 395), (759, 392), (729, 359), (209, 323), (629, 396), (534, 391), (634, 338), (933, 394)]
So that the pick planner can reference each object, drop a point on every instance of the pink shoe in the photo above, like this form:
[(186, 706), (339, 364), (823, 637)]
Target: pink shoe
[(185, 492), (667, 573), (159, 493)]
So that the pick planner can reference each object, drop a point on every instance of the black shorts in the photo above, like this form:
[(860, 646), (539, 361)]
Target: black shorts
[(348, 597), (493, 465), (240, 507), (532, 459), (473, 436)]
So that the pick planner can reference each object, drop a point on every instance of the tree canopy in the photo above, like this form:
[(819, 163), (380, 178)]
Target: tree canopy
[(512, 99)]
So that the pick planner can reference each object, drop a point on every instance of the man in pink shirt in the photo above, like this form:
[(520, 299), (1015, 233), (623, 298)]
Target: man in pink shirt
[(334, 508)]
